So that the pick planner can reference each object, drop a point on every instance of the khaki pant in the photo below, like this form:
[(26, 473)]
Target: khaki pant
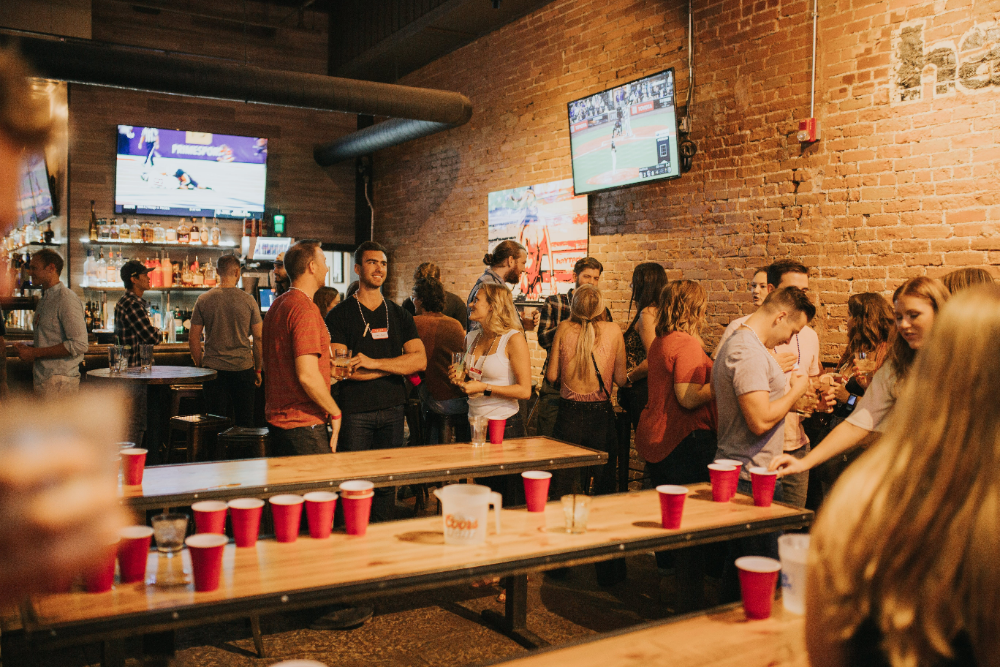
[(58, 385), (796, 487)]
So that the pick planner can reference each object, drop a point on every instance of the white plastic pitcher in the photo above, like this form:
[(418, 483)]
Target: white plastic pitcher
[(465, 508), (793, 549)]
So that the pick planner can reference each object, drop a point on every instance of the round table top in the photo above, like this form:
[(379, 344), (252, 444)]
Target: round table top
[(157, 375)]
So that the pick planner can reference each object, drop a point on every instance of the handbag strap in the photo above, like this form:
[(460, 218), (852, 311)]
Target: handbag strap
[(604, 388)]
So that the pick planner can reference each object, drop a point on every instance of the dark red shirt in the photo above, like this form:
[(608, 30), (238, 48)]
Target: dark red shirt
[(293, 328), (676, 358)]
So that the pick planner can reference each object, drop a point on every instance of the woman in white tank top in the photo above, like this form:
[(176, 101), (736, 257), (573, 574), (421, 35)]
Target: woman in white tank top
[(498, 367)]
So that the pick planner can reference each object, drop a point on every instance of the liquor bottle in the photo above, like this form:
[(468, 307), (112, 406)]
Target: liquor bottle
[(170, 235), (115, 229), (49, 234), (216, 233), (178, 273), (125, 231), (159, 234), (147, 233), (211, 275), (111, 276), (155, 277), (183, 232), (186, 273), (93, 222), (195, 238), (136, 231), (100, 270), (88, 268), (205, 234), (197, 277), (167, 271), (104, 228)]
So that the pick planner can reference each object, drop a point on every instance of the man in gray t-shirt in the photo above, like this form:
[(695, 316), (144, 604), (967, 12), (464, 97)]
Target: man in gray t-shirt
[(228, 316), (749, 385)]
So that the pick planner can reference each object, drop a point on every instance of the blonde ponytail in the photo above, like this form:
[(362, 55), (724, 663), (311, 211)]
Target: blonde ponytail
[(588, 305)]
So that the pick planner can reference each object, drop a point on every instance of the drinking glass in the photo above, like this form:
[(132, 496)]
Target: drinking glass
[(458, 361), (807, 402), (115, 353), (576, 511), (146, 357), (169, 531), (478, 425), (124, 358), (341, 358), (866, 365)]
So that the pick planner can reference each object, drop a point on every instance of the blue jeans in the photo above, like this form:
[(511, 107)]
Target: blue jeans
[(378, 429), (299, 441), (758, 545)]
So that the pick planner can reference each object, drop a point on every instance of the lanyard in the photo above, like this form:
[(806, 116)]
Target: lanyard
[(798, 348), (362, 313)]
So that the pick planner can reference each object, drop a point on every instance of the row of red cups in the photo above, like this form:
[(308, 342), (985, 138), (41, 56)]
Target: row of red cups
[(725, 476)]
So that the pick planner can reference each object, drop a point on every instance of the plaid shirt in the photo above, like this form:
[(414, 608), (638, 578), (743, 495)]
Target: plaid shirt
[(556, 311), (132, 324)]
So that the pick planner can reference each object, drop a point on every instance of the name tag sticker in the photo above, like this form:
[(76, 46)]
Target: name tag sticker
[(476, 374), (380, 334)]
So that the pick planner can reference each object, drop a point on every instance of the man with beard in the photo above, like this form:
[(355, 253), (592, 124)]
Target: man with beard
[(386, 347), (504, 266)]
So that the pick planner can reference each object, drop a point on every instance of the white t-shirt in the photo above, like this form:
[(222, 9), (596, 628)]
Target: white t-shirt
[(875, 405), (497, 372)]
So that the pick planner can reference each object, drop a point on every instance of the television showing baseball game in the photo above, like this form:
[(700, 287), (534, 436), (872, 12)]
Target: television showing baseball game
[(625, 135), (177, 172)]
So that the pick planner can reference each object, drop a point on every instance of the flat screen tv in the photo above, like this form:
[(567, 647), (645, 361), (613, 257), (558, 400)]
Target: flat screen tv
[(35, 201), (175, 172), (625, 135)]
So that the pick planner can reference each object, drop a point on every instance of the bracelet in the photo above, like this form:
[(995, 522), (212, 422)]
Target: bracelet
[(336, 417)]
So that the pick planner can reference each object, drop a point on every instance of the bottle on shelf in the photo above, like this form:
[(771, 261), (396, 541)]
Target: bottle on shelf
[(205, 233), (215, 234), (186, 273), (155, 276), (100, 270), (88, 268), (115, 230), (177, 282), (125, 231), (166, 271), (94, 230), (159, 233), (136, 231), (170, 234), (104, 228), (147, 233), (183, 232), (112, 268), (211, 275), (197, 277), (195, 237), (49, 235)]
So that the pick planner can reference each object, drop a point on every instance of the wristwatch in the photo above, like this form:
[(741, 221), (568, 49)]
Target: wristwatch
[(488, 391)]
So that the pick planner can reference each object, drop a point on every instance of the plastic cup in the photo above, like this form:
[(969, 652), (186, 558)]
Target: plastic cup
[(319, 513), (672, 505), (133, 552), (496, 428), (206, 559), (133, 464), (101, 577), (357, 512), (734, 481), (477, 428), (793, 549), (763, 482), (721, 476), (536, 489), (246, 513), (356, 488), (758, 575), (286, 510), (210, 517)]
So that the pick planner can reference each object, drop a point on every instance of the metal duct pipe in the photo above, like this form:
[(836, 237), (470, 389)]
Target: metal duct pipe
[(392, 132), (84, 61)]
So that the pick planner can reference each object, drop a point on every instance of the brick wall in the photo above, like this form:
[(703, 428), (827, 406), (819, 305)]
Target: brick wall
[(903, 182)]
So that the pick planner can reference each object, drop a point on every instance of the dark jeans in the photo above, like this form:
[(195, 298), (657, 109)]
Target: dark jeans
[(378, 429), (231, 394), (590, 424), (299, 441), (758, 545)]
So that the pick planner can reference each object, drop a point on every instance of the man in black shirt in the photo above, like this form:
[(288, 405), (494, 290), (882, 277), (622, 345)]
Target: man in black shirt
[(386, 348)]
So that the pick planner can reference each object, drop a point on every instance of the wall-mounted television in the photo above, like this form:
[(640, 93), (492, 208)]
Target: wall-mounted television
[(35, 200), (200, 174), (625, 135)]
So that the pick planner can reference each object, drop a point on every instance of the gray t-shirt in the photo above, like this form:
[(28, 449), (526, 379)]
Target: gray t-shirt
[(743, 366), (227, 313)]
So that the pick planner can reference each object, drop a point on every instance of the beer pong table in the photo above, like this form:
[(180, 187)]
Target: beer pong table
[(401, 556), (182, 485), (715, 638)]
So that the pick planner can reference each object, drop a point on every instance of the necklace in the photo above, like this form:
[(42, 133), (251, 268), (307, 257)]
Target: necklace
[(744, 324), (382, 334)]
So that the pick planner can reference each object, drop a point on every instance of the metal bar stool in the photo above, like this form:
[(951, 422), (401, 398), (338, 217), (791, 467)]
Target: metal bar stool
[(198, 430), (245, 439)]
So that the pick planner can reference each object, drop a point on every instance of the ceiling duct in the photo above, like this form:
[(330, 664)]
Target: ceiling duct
[(414, 112)]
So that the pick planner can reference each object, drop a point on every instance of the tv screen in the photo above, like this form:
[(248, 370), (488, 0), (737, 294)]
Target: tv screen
[(174, 172), (35, 202), (625, 135), (266, 297)]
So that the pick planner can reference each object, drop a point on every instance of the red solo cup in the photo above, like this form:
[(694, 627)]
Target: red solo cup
[(356, 488), (133, 552), (734, 481), (287, 512), (210, 517), (246, 520), (763, 486), (133, 464), (758, 577), (496, 427), (536, 489), (101, 576), (721, 476), (319, 513), (357, 511), (672, 505), (206, 559)]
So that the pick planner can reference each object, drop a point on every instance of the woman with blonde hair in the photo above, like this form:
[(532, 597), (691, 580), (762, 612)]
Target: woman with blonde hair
[(916, 304), (587, 355), (498, 367), (902, 566)]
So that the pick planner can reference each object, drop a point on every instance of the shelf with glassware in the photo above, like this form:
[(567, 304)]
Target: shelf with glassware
[(165, 274)]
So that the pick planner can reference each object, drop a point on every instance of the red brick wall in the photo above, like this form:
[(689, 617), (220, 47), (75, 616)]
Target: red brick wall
[(897, 187)]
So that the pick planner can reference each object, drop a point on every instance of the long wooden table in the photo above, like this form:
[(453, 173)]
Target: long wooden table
[(720, 637), (181, 485), (401, 556)]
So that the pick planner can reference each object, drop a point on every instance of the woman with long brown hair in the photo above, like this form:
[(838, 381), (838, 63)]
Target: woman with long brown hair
[(902, 566), (648, 281), (916, 304)]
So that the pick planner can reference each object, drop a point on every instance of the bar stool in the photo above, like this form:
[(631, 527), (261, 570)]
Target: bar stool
[(198, 430), (244, 438), (179, 392)]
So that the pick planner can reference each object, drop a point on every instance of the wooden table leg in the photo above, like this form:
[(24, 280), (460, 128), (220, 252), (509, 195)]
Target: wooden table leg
[(513, 623), (258, 641), (113, 653)]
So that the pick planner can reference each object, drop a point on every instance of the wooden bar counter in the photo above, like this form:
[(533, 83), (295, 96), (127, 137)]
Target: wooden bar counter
[(181, 485)]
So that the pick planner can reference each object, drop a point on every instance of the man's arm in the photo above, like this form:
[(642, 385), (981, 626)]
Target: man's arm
[(762, 414), (413, 360), (258, 348), (318, 389), (547, 325), (194, 343)]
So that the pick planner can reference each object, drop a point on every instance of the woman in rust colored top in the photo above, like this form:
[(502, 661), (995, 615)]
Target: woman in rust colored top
[(676, 434)]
